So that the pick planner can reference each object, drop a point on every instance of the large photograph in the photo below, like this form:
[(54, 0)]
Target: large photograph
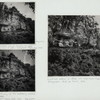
[(17, 70), (73, 45), (17, 22)]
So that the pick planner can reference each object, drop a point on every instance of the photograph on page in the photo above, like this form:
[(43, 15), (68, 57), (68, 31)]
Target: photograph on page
[(73, 45), (17, 22), (17, 70)]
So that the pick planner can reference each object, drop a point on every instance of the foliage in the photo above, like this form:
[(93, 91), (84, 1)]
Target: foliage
[(73, 62), (17, 84), (80, 59), (17, 37), (31, 5), (15, 75), (32, 53)]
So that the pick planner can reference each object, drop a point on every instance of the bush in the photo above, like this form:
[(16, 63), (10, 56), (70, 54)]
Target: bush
[(73, 62)]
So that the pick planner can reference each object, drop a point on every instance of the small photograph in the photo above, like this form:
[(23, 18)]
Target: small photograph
[(17, 70), (17, 22), (73, 45)]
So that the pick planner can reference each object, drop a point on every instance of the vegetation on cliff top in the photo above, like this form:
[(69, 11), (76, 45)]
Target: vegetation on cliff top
[(79, 59)]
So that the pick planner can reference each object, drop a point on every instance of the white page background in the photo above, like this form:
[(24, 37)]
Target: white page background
[(55, 88)]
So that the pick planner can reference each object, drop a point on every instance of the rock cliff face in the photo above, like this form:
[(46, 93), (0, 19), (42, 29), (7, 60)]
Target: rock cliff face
[(14, 27), (73, 31), (11, 20), (11, 67), (15, 75)]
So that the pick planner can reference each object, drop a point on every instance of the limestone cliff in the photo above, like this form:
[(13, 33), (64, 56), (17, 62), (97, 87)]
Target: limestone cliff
[(15, 75), (14, 27), (11, 19), (11, 66)]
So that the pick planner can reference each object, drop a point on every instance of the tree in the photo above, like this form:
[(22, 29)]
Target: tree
[(31, 5), (31, 53)]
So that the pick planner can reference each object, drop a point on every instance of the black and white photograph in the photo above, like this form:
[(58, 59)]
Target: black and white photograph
[(73, 45), (17, 70), (17, 22)]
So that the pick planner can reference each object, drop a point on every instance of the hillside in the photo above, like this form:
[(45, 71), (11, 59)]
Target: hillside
[(15, 75), (13, 24), (74, 46)]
